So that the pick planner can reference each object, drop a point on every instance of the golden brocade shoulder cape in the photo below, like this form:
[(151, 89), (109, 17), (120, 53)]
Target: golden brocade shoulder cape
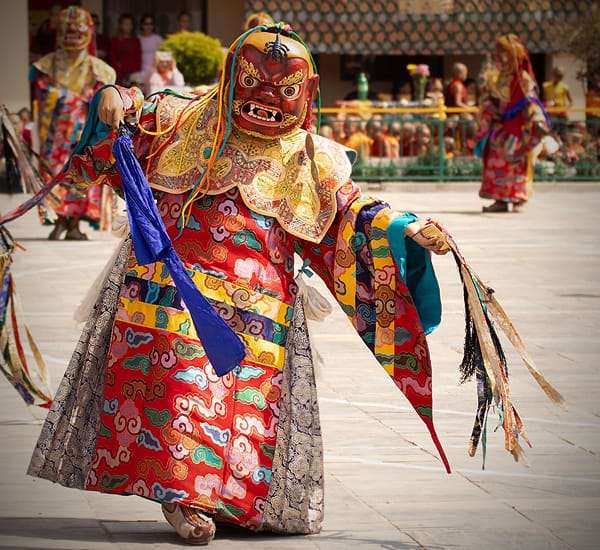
[(276, 177), (79, 74)]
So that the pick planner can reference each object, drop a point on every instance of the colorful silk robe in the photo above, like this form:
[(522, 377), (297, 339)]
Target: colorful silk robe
[(511, 125), (170, 429), (61, 95)]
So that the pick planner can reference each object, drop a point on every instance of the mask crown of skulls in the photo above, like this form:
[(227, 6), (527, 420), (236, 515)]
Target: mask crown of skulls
[(274, 82), (75, 29)]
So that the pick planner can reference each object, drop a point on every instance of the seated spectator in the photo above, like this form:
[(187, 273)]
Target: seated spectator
[(456, 91), (449, 147), (407, 139), (165, 74), (435, 91), (357, 138), (405, 94), (378, 132), (422, 140), (339, 133), (394, 139)]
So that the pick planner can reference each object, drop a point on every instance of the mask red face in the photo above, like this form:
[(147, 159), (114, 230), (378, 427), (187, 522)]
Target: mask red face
[(271, 94), (75, 29)]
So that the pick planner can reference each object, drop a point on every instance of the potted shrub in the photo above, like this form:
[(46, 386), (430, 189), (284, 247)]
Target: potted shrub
[(199, 57)]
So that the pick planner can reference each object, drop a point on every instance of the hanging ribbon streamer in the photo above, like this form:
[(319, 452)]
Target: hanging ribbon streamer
[(485, 359), (151, 243), (31, 383), (29, 174)]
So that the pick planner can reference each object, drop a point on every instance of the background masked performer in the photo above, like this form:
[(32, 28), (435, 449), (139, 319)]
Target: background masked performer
[(512, 124), (63, 84), (241, 187)]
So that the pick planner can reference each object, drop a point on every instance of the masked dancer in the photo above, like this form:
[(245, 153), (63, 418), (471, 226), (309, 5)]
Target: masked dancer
[(241, 187), (512, 123), (63, 83)]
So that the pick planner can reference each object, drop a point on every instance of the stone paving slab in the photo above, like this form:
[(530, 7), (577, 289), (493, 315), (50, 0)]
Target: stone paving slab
[(385, 487)]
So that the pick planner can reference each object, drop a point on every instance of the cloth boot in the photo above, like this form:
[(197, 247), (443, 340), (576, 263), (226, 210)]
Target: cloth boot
[(73, 231), (496, 206), (190, 524), (60, 226)]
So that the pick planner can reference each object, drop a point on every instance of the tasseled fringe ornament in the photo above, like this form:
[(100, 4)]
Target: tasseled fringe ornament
[(31, 384), (23, 174), (316, 306), (484, 357)]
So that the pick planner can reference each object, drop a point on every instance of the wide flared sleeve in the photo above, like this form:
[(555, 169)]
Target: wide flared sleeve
[(92, 161), (386, 285)]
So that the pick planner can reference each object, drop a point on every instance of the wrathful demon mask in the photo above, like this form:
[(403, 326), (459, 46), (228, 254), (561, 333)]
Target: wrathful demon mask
[(274, 84), (75, 28)]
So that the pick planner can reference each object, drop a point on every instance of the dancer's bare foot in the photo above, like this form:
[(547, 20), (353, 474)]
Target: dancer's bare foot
[(518, 207), (497, 206), (191, 525)]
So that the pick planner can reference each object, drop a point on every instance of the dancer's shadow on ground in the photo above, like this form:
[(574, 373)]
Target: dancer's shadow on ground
[(86, 531)]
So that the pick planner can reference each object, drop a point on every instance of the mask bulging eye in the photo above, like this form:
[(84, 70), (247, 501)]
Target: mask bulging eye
[(247, 81), (290, 92)]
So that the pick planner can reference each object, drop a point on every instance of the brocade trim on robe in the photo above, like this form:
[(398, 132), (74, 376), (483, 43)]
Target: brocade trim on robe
[(66, 445), (274, 176), (261, 321), (295, 500)]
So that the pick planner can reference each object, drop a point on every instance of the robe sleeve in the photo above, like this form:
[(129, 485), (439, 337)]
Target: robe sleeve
[(386, 285), (92, 161)]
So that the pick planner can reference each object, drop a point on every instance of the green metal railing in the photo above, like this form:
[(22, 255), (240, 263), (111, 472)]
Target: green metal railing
[(437, 143)]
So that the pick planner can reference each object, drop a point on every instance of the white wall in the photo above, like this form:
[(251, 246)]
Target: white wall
[(14, 54)]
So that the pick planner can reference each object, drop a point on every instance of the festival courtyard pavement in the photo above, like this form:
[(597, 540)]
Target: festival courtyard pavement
[(384, 486)]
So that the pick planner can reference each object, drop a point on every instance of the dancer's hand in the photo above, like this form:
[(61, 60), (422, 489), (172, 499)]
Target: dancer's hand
[(437, 246), (111, 109)]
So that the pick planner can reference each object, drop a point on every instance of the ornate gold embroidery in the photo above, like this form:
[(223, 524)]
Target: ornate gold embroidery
[(291, 79), (249, 68), (237, 106), (273, 175)]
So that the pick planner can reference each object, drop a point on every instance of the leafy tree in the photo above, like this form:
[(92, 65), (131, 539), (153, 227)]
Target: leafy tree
[(580, 39)]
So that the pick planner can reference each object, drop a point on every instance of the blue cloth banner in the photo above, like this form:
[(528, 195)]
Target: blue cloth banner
[(151, 243)]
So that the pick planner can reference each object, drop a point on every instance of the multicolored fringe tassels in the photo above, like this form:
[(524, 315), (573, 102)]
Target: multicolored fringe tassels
[(31, 383), (484, 358), (23, 175), (151, 243)]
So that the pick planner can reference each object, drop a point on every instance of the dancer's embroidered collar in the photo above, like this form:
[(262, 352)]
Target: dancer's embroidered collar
[(249, 132)]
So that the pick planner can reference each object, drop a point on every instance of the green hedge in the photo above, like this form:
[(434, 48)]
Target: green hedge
[(199, 57)]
